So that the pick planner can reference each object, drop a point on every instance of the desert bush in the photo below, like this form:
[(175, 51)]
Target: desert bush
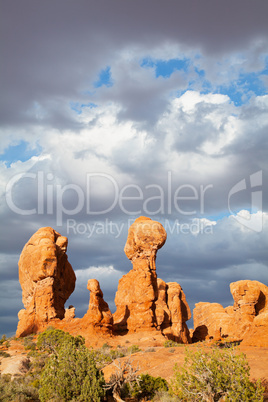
[(3, 339), (147, 386), (122, 380), (164, 396), (150, 350), (17, 390), (215, 375), (52, 338), (70, 373), (133, 349), (28, 343), (106, 346), (4, 354), (106, 355), (171, 344)]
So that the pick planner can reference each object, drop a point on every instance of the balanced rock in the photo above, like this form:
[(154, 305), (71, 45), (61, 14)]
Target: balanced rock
[(143, 301), (47, 280), (247, 316), (137, 291)]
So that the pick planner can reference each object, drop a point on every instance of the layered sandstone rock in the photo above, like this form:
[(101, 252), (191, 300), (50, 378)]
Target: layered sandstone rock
[(47, 280), (98, 317), (242, 321), (144, 302)]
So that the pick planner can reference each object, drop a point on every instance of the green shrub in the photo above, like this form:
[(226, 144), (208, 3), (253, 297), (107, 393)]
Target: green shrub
[(28, 343), (171, 344), (106, 355), (133, 349), (147, 386), (106, 346), (214, 375), (52, 338), (18, 389), (70, 374), (3, 339), (4, 354)]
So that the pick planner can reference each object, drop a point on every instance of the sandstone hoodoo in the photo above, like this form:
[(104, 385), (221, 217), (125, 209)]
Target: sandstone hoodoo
[(246, 320), (47, 280), (98, 316), (145, 302)]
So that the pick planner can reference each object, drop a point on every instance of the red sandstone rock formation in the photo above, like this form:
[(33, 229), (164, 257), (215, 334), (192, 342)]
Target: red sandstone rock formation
[(98, 317), (247, 318), (47, 280), (179, 314), (138, 289), (144, 302)]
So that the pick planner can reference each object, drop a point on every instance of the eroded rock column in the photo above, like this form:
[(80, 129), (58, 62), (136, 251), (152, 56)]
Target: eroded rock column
[(47, 280)]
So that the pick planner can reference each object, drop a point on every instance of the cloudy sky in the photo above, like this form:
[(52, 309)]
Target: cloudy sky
[(115, 109)]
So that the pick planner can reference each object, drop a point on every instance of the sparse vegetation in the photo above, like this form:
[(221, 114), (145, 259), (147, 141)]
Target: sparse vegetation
[(147, 386), (133, 349), (28, 343), (4, 354), (19, 389), (122, 381), (63, 369), (150, 350), (215, 375), (171, 344), (3, 339)]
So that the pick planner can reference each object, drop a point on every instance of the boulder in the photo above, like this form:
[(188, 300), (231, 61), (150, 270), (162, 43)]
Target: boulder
[(47, 280)]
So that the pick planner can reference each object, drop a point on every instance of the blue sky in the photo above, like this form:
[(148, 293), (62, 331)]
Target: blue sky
[(20, 152), (134, 108)]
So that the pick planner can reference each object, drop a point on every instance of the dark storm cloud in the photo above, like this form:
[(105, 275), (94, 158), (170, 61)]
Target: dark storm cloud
[(54, 50)]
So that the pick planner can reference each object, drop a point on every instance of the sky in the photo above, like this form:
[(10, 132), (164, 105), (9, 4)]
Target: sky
[(111, 110)]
